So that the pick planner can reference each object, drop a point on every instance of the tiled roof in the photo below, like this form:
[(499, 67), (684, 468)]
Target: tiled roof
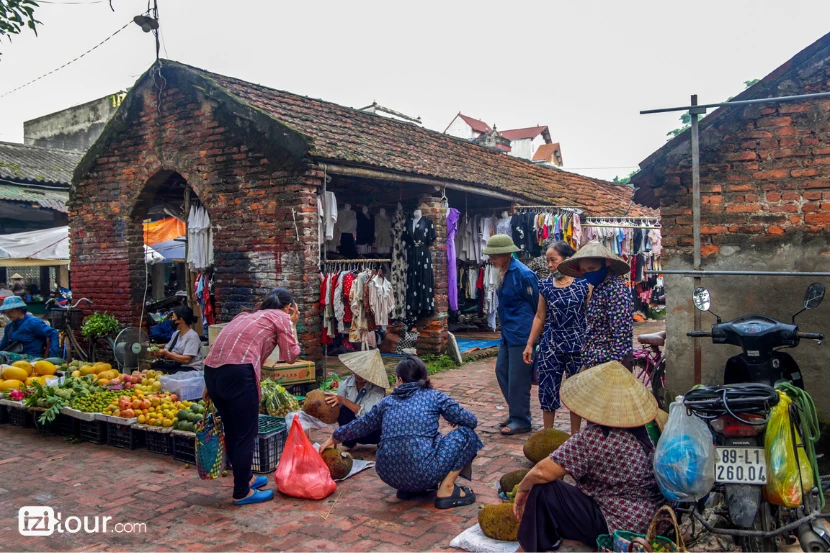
[(521, 134), (545, 152), (478, 126), (50, 198), (30, 164)]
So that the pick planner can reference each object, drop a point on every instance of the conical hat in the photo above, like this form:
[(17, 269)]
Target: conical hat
[(661, 419), (594, 249), (17, 276), (368, 365), (609, 395)]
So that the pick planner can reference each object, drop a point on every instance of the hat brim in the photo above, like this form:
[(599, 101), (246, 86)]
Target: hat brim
[(10, 307), (570, 267), (502, 249), (367, 365)]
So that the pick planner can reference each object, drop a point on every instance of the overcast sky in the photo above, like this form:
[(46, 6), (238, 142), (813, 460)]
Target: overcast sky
[(583, 68)]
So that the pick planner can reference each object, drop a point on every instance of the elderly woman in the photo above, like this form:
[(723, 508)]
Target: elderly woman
[(232, 371), (413, 456), (26, 334), (184, 350), (610, 316), (360, 391), (610, 460), (560, 320)]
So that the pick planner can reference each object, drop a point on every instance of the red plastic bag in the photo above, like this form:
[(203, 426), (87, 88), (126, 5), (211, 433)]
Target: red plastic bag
[(302, 472)]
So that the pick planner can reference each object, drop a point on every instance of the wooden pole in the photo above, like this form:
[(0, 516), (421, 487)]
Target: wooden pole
[(188, 276)]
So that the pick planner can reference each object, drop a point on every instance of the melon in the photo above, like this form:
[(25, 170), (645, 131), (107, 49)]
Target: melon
[(45, 368), (25, 365), (108, 375), (87, 369), (15, 373), (11, 385), (39, 379)]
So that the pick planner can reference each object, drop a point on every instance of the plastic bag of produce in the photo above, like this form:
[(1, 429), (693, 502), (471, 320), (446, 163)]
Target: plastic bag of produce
[(302, 472), (684, 459), (788, 472), (276, 401)]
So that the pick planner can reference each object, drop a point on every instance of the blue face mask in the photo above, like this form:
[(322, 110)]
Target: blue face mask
[(595, 277)]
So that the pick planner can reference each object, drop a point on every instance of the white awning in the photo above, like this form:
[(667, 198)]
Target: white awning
[(47, 247)]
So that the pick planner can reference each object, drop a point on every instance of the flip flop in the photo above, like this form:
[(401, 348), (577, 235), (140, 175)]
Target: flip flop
[(504, 422), (259, 483), (512, 429), (257, 497), (456, 499)]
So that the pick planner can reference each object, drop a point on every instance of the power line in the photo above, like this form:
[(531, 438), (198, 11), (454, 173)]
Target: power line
[(70, 3), (130, 22)]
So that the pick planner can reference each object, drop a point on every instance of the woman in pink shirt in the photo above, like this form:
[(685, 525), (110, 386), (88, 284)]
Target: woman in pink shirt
[(232, 372)]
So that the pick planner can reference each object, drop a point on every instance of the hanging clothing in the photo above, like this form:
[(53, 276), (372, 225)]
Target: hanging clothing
[(339, 306), (347, 222), (452, 269), (365, 229), (383, 233), (399, 264), (420, 279), (381, 299), (200, 240), (503, 226)]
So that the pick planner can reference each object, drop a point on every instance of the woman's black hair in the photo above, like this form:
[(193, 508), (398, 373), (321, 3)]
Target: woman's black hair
[(186, 314), (278, 298), (563, 249), (412, 369)]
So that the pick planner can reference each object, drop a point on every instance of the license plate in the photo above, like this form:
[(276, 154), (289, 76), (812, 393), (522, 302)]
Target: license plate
[(741, 465)]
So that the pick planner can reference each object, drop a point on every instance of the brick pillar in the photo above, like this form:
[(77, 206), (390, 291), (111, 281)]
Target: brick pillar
[(433, 329)]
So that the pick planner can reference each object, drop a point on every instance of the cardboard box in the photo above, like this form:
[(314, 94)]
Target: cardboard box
[(292, 373)]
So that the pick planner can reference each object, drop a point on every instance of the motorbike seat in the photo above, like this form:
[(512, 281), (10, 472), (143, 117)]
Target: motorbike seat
[(656, 339)]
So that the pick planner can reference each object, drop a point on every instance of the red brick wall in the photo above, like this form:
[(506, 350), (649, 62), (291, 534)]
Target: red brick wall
[(433, 330), (765, 171), (249, 198)]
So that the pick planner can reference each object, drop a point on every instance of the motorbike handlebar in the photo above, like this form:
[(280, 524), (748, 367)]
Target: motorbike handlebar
[(699, 334), (810, 335)]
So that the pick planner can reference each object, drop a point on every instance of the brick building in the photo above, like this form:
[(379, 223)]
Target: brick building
[(256, 159), (765, 205)]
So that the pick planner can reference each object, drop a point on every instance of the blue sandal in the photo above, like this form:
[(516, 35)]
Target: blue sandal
[(456, 499), (259, 483), (512, 429), (256, 497)]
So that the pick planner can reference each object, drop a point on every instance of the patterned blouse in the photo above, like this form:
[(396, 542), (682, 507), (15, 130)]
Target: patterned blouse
[(617, 472), (610, 332), (564, 314)]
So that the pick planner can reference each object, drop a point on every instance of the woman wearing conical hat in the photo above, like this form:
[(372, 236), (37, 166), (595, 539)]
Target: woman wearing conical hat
[(610, 315)]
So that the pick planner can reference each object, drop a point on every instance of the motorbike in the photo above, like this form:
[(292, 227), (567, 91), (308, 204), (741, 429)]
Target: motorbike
[(737, 414)]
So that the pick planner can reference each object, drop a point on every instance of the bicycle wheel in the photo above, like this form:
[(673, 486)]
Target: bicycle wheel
[(73, 343), (658, 384), (101, 350)]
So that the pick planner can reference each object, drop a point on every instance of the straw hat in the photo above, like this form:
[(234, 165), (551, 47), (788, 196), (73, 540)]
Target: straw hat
[(609, 395), (661, 419), (593, 249), (500, 243), (368, 365), (17, 276)]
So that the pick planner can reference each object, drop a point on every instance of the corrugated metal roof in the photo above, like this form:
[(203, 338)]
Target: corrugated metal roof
[(45, 197), (21, 163)]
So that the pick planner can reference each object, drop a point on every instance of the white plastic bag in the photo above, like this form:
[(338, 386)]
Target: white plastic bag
[(684, 461), (307, 421)]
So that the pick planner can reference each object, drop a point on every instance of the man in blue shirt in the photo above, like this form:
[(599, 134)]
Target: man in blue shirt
[(37, 338), (518, 296)]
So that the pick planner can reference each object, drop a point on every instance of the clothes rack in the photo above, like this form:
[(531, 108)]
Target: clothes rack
[(342, 261), (657, 226)]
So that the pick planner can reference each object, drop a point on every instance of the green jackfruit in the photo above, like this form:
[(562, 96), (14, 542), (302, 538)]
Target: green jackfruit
[(498, 522), (316, 406), (338, 462), (511, 480), (544, 442)]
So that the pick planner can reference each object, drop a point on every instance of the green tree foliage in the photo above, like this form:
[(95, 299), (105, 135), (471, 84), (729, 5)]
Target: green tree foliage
[(625, 180), (15, 15)]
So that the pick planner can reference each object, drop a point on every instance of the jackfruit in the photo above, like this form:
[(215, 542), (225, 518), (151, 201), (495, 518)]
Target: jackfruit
[(544, 442), (316, 406), (339, 463), (511, 480), (498, 522)]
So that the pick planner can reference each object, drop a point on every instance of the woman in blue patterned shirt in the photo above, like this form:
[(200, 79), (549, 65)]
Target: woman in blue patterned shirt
[(413, 457)]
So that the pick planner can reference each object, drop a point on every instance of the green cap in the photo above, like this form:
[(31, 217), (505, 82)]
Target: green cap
[(500, 243)]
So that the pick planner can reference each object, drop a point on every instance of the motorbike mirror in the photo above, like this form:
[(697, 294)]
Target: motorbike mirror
[(814, 295), (701, 299)]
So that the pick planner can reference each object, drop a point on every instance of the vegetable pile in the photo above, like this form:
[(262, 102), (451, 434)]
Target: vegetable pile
[(98, 325)]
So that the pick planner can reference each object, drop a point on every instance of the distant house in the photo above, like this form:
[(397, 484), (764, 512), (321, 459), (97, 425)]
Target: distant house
[(532, 143)]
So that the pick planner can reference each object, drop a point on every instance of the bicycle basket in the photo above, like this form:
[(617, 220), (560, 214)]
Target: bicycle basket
[(59, 318)]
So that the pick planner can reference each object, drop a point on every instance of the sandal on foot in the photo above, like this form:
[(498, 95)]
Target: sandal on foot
[(256, 497), (505, 421), (512, 429), (259, 482), (456, 499)]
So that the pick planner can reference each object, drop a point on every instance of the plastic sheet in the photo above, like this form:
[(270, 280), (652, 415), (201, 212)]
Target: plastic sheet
[(307, 421), (302, 472), (788, 473), (684, 460)]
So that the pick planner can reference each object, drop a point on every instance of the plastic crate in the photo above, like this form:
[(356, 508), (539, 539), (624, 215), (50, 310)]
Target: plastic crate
[(67, 426), (184, 446), (159, 442), (4, 414), (270, 444), (188, 384), (20, 417), (94, 432), (46, 427), (124, 436)]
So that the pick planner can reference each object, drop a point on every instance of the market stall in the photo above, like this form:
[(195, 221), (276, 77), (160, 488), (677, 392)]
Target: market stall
[(47, 250)]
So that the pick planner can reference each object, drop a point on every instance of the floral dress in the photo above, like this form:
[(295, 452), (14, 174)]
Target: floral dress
[(413, 456), (610, 332), (560, 350), (398, 276)]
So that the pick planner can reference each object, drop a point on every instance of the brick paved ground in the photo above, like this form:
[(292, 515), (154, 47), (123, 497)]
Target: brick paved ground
[(183, 512)]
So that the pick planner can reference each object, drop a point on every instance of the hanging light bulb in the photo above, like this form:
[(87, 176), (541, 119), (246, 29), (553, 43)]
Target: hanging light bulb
[(146, 23)]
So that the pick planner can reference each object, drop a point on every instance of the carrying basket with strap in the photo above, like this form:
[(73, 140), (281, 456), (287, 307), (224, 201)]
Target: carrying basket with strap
[(210, 445), (623, 541)]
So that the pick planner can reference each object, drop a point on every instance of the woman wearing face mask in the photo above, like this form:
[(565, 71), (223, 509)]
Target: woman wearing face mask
[(185, 347), (560, 321), (610, 315)]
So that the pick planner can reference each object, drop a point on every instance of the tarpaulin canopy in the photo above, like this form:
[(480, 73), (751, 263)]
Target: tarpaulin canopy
[(164, 230), (164, 252), (43, 248), (151, 256)]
